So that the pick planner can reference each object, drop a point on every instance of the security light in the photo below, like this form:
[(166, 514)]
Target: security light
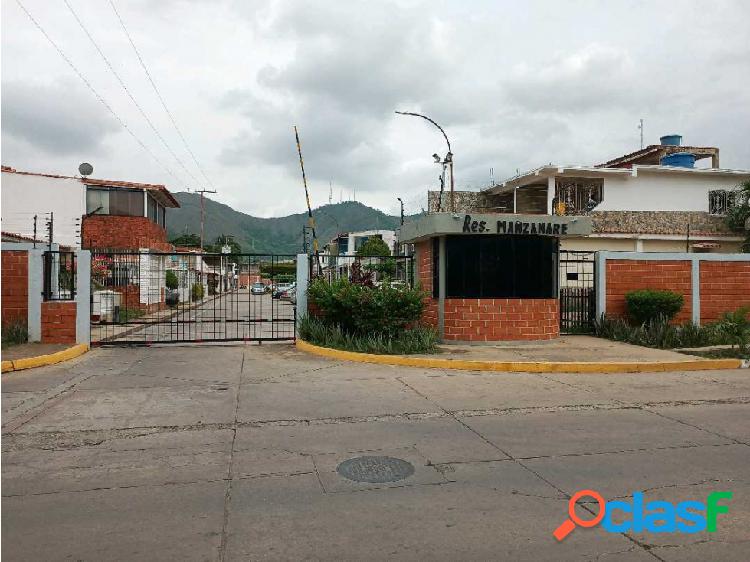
[(437, 158)]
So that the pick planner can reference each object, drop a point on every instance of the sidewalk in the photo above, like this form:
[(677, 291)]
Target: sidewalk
[(584, 349)]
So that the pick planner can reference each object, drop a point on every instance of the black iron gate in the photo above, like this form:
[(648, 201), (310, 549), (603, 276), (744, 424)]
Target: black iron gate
[(577, 291), (156, 297)]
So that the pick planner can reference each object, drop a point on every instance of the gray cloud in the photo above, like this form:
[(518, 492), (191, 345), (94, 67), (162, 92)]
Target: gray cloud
[(515, 86), (58, 118)]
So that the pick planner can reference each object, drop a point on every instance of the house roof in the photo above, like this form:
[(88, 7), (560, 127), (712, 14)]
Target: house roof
[(158, 190), (14, 237)]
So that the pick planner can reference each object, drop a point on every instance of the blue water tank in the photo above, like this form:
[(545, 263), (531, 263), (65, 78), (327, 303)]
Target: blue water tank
[(671, 140), (679, 160)]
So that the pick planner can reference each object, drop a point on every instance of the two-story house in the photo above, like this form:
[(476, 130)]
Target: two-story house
[(654, 199)]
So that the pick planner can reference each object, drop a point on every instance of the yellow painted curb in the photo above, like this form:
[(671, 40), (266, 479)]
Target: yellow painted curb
[(523, 366), (42, 360)]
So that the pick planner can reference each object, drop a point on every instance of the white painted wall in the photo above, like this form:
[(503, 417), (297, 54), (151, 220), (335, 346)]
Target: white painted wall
[(388, 236), (23, 196), (662, 191)]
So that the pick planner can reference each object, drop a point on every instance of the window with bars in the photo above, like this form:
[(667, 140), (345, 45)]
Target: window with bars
[(577, 196), (720, 201)]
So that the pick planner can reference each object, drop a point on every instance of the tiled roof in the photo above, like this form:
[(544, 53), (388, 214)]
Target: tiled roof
[(108, 183), (653, 149), (660, 222)]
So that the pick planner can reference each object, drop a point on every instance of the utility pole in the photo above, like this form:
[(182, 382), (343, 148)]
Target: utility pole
[(330, 192), (203, 211), (402, 210), (640, 126)]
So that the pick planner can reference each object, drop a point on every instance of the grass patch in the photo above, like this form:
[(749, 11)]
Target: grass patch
[(420, 339), (15, 332), (660, 333), (723, 353), (128, 314)]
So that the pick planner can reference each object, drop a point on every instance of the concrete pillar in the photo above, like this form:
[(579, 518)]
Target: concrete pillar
[(695, 278), (441, 288), (83, 297), (303, 278), (35, 280), (550, 193)]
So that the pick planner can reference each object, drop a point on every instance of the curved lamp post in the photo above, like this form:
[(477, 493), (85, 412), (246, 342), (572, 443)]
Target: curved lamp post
[(448, 157)]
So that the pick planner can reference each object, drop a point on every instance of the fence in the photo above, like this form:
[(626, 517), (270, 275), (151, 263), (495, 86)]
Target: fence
[(60, 272), (711, 284), (396, 270)]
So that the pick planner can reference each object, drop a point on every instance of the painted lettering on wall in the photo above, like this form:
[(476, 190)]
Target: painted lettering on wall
[(516, 227)]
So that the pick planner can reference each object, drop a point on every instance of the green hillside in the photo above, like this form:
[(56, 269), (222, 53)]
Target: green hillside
[(278, 235)]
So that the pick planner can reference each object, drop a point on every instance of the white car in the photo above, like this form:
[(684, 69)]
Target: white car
[(258, 289)]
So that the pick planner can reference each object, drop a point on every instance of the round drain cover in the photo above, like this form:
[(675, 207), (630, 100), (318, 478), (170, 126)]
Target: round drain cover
[(375, 470)]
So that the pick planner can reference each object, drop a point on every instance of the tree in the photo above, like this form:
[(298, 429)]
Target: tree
[(374, 246), (189, 240), (171, 280), (739, 214)]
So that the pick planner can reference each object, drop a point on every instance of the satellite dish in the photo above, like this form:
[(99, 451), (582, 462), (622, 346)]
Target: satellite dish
[(85, 169)]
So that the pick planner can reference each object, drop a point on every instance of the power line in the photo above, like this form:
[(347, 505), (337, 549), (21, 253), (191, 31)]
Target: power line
[(96, 94), (127, 91), (158, 94)]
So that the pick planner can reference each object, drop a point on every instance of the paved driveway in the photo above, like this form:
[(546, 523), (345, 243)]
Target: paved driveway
[(230, 453)]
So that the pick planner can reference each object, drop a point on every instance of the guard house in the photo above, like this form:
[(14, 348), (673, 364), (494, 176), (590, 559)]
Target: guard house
[(491, 277)]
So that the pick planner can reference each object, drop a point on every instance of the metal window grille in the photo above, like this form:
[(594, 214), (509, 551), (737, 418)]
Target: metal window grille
[(59, 282)]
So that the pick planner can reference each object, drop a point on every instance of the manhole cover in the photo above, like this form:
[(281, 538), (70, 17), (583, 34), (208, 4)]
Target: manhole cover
[(375, 470)]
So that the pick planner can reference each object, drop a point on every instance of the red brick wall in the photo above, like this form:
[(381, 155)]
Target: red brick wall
[(15, 279), (123, 233), (488, 319), (59, 322), (624, 276), (424, 276), (725, 286), (501, 319)]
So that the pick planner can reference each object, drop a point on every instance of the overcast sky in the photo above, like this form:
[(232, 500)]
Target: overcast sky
[(515, 85)]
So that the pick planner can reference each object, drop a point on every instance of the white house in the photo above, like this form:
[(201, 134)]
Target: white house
[(347, 243), (635, 203)]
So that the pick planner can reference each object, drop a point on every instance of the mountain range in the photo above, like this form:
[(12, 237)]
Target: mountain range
[(276, 235)]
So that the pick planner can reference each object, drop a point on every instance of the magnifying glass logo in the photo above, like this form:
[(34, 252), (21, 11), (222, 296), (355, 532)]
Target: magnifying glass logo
[(569, 524)]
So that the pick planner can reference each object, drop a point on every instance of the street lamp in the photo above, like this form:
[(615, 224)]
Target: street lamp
[(448, 160), (402, 209)]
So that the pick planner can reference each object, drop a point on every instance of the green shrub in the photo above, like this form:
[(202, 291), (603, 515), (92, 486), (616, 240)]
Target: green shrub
[(419, 339), (15, 332), (360, 309), (196, 291), (171, 280), (646, 305), (736, 326), (660, 333)]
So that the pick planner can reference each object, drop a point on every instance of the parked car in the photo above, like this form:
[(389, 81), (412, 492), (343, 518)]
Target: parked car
[(258, 289), (280, 288), (290, 294)]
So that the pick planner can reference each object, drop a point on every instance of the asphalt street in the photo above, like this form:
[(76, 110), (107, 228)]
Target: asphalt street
[(235, 452)]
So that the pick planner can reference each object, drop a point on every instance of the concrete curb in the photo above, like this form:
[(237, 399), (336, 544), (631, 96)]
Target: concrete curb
[(523, 366), (42, 360)]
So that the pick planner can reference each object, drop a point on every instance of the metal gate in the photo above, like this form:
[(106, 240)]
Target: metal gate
[(577, 291), (156, 297)]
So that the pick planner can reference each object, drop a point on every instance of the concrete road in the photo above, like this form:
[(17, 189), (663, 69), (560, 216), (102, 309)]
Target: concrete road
[(234, 315), (231, 453)]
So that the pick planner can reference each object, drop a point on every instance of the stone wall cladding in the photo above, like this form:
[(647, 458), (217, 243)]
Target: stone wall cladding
[(659, 222), (624, 276), (470, 202), (59, 322), (501, 319), (123, 233), (724, 287)]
